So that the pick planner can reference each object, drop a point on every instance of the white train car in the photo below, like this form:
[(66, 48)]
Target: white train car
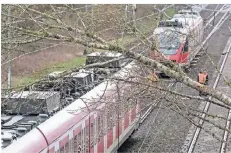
[(98, 122)]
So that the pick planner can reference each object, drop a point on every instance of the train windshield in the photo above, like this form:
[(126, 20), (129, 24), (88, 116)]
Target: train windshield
[(168, 43)]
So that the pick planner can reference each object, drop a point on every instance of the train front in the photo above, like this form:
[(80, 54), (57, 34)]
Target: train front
[(169, 43)]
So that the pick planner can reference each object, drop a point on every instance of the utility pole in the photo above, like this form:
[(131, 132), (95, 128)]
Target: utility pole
[(86, 49), (9, 54), (92, 23), (86, 8), (134, 16), (126, 12), (214, 15), (126, 19)]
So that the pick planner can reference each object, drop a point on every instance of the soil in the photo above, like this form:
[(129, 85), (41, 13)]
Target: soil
[(36, 62)]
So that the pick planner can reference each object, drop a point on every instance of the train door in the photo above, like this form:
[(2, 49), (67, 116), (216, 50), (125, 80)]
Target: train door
[(185, 52)]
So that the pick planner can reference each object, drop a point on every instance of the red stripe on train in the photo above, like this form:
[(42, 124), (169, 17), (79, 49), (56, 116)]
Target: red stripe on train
[(100, 145), (109, 137), (126, 120), (118, 129)]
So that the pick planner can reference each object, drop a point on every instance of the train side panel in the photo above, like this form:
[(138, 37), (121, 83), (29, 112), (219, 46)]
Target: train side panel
[(78, 129)]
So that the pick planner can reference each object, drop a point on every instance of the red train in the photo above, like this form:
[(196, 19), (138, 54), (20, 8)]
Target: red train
[(103, 118), (178, 39), (99, 121)]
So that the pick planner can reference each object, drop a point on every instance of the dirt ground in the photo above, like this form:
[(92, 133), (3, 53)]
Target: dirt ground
[(35, 62)]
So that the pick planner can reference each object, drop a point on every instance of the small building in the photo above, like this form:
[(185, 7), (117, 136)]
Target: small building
[(31, 102)]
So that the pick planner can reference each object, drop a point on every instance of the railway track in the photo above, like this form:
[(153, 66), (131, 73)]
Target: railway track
[(218, 13), (202, 47), (212, 110), (54, 130), (190, 146), (228, 121), (150, 109)]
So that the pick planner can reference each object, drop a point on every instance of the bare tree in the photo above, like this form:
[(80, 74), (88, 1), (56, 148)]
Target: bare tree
[(34, 24)]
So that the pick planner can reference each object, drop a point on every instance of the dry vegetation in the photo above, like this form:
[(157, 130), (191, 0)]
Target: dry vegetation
[(109, 25)]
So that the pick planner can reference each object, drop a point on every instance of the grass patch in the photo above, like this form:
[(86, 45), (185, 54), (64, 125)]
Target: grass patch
[(170, 12), (61, 66), (146, 27)]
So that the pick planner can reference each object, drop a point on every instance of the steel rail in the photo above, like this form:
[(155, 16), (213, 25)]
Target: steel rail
[(213, 11), (226, 133), (227, 126), (150, 109), (221, 21), (201, 121), (212, 18), (188, 139)]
